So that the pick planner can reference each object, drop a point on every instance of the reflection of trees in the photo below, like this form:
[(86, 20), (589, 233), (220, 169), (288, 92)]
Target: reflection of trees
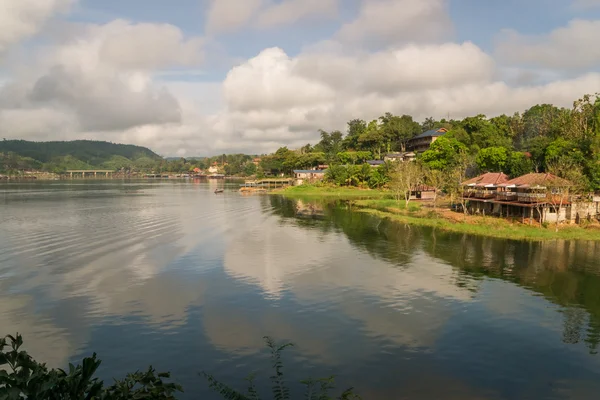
[(363, 230), (565, 272), (366, 232), (290, 210)]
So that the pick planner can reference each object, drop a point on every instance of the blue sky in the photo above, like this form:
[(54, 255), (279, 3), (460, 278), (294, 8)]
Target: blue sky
[(213, 76)]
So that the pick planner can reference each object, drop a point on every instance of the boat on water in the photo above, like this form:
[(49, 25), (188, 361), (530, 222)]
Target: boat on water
[(219, 191)]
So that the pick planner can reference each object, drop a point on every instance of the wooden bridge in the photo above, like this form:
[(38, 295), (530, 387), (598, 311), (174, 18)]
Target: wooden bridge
[(89, 172)]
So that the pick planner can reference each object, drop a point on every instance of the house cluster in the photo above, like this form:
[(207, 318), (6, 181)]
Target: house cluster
[(415, 145), (539, 197), (310, 175)]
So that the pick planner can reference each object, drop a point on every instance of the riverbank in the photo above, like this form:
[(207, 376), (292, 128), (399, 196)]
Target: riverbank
[(342, 193), (380, 203)]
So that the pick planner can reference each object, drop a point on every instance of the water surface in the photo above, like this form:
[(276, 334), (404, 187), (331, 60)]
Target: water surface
[(170, 274)]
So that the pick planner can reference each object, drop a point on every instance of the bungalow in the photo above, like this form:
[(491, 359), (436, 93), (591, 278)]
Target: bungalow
[(394, 157), (536, 196), (423, 192), (423, 141), (308, 175), (484, 186), (410, 156)]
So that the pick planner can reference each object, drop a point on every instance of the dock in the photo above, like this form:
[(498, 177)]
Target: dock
[(266, 184), (89, 172)]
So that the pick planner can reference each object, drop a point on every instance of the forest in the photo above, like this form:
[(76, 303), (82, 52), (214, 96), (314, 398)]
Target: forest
[(544, 138), (57, 157)]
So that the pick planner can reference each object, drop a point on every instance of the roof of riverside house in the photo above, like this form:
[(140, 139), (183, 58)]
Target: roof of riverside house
[(536, 179), (375, 162), (309, 171), (432, 133), (490, 178)]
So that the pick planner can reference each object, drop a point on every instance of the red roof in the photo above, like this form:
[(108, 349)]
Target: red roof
[(490, 178), (536, 179)]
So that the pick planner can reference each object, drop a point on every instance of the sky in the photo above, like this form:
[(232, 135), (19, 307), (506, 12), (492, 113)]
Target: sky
[(205, 77)]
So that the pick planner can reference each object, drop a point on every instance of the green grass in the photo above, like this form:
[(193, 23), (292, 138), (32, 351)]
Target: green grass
[(389, 205), (308, 191), (481, 226), (382, 204)]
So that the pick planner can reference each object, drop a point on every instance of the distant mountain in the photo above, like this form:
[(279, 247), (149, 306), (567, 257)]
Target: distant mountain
[(90, 152)]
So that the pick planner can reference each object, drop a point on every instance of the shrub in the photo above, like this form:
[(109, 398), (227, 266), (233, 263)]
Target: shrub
[(21, 377)]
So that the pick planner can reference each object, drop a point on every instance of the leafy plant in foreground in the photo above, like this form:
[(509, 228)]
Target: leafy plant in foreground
[(23, 377), (315, 389)]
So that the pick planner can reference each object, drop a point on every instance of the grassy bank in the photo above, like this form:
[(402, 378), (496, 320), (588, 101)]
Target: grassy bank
[(381, 204), (342, 193)]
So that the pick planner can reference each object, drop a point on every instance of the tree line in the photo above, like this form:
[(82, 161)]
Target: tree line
[(544, 138)]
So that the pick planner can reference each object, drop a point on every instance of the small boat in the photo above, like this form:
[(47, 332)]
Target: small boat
[(218, 191)]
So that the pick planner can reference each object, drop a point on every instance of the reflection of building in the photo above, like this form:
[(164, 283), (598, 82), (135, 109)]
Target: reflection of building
[(309, 210), (423, 141), (308, 175)]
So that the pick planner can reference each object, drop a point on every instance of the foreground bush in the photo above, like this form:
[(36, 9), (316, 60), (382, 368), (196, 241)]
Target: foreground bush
[(23, 377)]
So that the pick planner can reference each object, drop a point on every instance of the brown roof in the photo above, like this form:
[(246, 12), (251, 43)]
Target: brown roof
[(490, 178), (537, 179)]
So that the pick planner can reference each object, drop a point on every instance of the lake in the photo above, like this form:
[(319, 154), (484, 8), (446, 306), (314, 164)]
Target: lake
[(171, 274)]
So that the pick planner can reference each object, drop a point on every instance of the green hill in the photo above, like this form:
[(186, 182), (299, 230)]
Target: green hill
[(91, 152)]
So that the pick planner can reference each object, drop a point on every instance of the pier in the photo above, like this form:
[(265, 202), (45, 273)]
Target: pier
[(267, 183), (76, 172)]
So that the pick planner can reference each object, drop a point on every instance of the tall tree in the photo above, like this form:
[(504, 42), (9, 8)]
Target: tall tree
[(373, 138), (398, 130), (492, 159), (428, 124), (356, 127)]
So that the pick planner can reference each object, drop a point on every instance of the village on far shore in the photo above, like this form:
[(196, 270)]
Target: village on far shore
[(541, 197)]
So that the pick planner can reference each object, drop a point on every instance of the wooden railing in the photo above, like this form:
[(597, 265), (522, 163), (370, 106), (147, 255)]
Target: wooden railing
[(506, 196), (531, 197)]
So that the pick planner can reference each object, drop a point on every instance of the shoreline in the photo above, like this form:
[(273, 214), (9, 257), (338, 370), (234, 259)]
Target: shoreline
[(381, 204)]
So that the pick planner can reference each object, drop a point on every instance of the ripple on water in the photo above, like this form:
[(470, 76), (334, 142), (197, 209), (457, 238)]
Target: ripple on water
[(176, 276)]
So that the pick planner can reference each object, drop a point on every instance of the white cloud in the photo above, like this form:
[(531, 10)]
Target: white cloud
[(391, 22), (99, 80), (225, 16), (570, 47), (392, 71), (274, 97), (122, 45), (268, 82), (21, 19), (230, 15), (147, 46), (115, 81)]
